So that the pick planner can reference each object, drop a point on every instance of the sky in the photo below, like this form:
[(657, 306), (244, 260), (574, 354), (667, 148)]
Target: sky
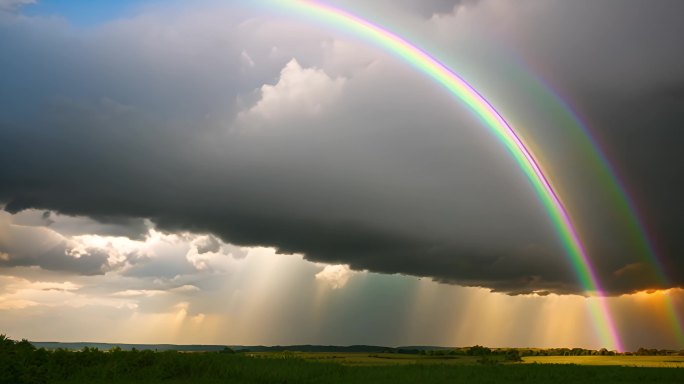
[(226, 172)]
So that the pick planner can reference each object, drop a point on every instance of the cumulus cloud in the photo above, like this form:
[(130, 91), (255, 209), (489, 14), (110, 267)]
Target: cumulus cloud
[(298, 91), (39, 246), (207, 244), (336, 276), (264, 132), (60, 245)]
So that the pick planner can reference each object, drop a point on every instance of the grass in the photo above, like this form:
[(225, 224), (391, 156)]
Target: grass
[(384, 359), (338, 368), (625, 361), (267, 370), (370, 359)]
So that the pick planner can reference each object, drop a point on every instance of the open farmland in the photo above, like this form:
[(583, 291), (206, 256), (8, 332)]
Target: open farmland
[(626, 361)]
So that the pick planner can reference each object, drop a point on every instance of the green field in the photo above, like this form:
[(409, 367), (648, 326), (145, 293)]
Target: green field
[(626, 361), (384, 359), (368, 359), (22, 363)]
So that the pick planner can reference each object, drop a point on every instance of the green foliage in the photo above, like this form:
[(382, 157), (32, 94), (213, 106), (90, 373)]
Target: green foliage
[(227, 350), (513, 355), (479, 350), (20, 362), (655, 352), (488, 360)]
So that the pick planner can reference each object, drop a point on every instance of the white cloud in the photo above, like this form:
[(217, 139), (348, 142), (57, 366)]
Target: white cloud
[(304, 91), (138, 293), (336, 276), (187, 288), (55, 286), (121, 252), (19, 293)]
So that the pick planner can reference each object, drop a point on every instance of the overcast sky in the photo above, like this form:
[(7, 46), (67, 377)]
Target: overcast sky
[(201, 165)]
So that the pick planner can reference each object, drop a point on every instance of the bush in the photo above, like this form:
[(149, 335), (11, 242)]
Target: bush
[(513, 355)]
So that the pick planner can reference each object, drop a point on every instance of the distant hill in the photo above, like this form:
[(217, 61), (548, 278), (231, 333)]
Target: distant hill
[(128, 347), (239, 348)]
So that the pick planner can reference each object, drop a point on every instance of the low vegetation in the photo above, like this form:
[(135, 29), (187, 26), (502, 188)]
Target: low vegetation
[(21, 362)]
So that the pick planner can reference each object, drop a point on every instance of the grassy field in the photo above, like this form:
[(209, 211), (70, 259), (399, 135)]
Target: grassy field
[(369, 359), (21, 363), (625, 361), (281, 368), (210, 368), (384, 359)]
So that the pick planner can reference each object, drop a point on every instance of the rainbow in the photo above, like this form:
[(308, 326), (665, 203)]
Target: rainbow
[(628, 207), (515, 145), (570, 119)]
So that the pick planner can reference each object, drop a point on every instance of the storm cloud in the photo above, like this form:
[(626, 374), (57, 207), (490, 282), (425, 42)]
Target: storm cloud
[(267, 131)]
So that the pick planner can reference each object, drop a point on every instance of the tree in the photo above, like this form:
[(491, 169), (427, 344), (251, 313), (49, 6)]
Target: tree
[(479, 350), (513, 355)]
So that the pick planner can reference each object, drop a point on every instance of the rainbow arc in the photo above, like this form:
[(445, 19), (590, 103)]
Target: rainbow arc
[(493, 120)]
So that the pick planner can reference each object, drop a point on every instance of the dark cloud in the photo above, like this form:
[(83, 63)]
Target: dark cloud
[(46, 218), (130, 227), (49, 241), (29, 246), (68, 226), (208, 244), (625, 72), (159, 119)]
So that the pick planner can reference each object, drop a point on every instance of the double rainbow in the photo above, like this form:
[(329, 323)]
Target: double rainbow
[(629, 210), (464, 92)]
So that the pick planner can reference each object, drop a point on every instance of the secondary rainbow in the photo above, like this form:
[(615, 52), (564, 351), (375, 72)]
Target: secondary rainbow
[(569, 119), (625, 203), (498, 126)]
